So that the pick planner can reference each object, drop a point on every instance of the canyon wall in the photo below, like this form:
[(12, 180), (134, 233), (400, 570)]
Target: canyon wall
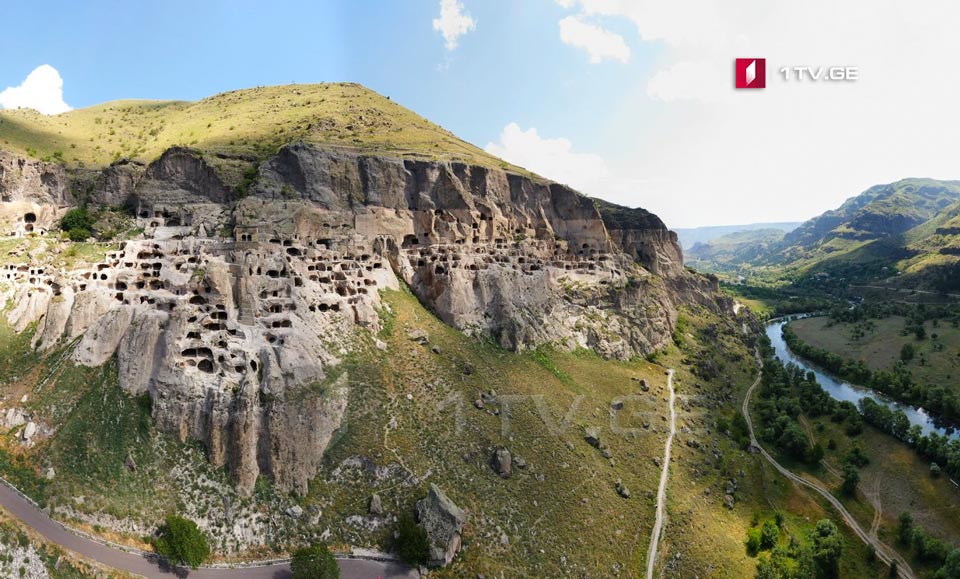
[(234, 303)]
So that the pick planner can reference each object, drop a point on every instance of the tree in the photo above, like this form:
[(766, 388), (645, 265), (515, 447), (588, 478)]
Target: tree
[(827, 548), (314, 562), (413, 545), (769, 535), (182, 543), (779, 518), (951, 567), (905, 528), (934, 469), (851, 477), (907, 352)]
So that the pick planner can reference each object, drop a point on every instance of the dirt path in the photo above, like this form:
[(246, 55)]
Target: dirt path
[(662, 491), (884, 553), (146, 565)]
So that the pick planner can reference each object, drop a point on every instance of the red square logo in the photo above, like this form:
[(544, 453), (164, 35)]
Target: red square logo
[(751, 73)]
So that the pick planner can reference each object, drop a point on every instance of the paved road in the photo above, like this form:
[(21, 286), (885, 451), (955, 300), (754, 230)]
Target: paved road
[(148, 566), (662, 491), (884, 553)]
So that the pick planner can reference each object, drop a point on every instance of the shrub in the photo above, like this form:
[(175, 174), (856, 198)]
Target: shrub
[(753, 542), (77, 223), (182, 543), (314, 562), (769, 535), (413, 545)]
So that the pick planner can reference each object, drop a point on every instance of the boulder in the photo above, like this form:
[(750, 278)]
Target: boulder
[(592, 436), (295, 512), (376, 506), (419, 336), (502, 462), (443, 521)]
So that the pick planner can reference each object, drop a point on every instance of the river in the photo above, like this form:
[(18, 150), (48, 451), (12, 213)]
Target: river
[(841, 390)]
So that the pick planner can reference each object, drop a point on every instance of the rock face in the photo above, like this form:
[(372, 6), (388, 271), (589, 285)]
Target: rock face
[(229, 310), (443, 521)]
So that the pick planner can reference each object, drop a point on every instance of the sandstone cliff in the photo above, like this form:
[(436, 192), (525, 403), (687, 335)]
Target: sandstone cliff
[(234, 303)]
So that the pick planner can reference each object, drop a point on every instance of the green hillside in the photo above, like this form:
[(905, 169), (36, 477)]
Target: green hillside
[(907, 232), (734, 248), (250, 122)]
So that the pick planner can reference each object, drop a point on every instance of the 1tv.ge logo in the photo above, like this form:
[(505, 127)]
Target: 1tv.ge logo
[(752, 73)]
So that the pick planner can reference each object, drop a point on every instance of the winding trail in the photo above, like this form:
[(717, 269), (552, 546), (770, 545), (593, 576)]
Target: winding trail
[(883, 552), (662, 491), (148, 565)]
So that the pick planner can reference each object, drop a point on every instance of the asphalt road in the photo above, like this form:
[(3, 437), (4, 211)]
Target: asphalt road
[(145, 566), (884, 553)]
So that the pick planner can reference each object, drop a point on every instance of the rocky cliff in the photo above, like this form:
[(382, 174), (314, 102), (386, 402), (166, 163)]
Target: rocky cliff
[(235, 301)]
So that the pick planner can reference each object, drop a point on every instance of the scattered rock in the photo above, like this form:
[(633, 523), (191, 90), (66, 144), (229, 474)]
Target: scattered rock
[(467, 369), (435, 350), (443, 521), (29, 430), (606, 453), (13, 418), (616, 405), (729, 501), (49, 474), (502, 462), (622, 490), (478, 403), (295, 512), (489, 397), (130, 463), (376, 506), (644, 386), (519, 462), (419, 336), (656, 461), (592, 436)]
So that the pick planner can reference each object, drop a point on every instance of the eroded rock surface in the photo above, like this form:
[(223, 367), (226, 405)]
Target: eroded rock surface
[(443, 521), (229, 310)]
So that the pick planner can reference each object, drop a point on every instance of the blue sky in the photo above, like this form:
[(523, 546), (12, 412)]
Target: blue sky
[(630, 100), (512, 67)]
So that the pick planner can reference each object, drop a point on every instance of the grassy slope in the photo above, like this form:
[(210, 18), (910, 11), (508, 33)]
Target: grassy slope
[(699, 476), (562, 507), (58, 563), (252, 122)]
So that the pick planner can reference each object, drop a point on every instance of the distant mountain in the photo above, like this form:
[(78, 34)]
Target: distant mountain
[(733, 249), (693, 235), (908, 230)]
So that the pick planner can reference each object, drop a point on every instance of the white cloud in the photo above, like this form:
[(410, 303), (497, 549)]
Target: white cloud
[(453, 22), (555, 159), (706, 153), (42, 90), (598, 42)]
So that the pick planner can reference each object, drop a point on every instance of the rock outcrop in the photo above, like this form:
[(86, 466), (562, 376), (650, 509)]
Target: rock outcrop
[(443, 521), (230, 309)]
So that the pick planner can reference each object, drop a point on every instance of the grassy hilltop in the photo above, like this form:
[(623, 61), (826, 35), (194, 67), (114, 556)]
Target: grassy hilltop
[(250, 122)]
